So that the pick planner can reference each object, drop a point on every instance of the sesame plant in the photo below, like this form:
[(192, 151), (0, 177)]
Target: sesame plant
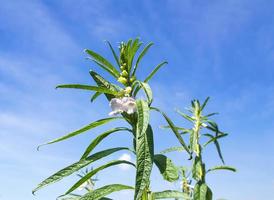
[(202, 129), (121, 91)]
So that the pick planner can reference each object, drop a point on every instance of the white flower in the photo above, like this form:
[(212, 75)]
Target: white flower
[(125, 104)]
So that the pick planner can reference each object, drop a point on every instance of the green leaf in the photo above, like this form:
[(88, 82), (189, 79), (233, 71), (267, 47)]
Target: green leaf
[(154, 71), (113, 53), (144, 149), (88, 87), (83, 129), (185, 116), (104, 62), (205, 192), (168, 170), (101, 82), (95, 96), (99, 138), (213, 139), (104, 191), (95, 171), (76, 166), (217, 145), (135, 46), (71, 197), (222, 168), (205, 102), (171, 149), (184, 130), (143, 117), (142, 54), (170, 194), (202, 192), (173, 128), (147, 90)]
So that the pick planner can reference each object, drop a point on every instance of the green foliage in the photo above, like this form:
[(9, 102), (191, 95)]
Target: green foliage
[(102, 62), (104, 191), (127, 86), (170, 194), (83, 129), (94, 172), (144, 149), (76, 166), (100, 137), (168, 170), (199, 122), (202, 192)]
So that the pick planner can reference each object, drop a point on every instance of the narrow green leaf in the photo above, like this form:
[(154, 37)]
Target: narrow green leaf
[(146, 89), (217, 145), (95, 171), (144, 154), (105, 68), (171, 149), (135, 46), (185, 116), (168, 170), (213, 139), (88, 87), (104, 191), (104, 62), (71, 197), (154, 71), (142, 54), (113, 53), (76, 166), (144, 149), (101, 82), (205, 102), (222, 168), (95, 96), (143, 117), (167, 194), (173, 128), (184, 130), (99, 138), (83, 129)]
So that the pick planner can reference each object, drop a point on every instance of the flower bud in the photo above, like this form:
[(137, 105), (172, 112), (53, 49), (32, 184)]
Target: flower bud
[(128, 90), (122, 80), (124, 73), (132, 79), (122, 67)]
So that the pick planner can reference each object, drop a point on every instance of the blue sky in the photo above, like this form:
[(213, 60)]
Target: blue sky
[(221, 49)]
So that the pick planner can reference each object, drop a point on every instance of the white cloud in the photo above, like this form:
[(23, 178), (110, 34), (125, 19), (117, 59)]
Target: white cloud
[(126, 157)]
